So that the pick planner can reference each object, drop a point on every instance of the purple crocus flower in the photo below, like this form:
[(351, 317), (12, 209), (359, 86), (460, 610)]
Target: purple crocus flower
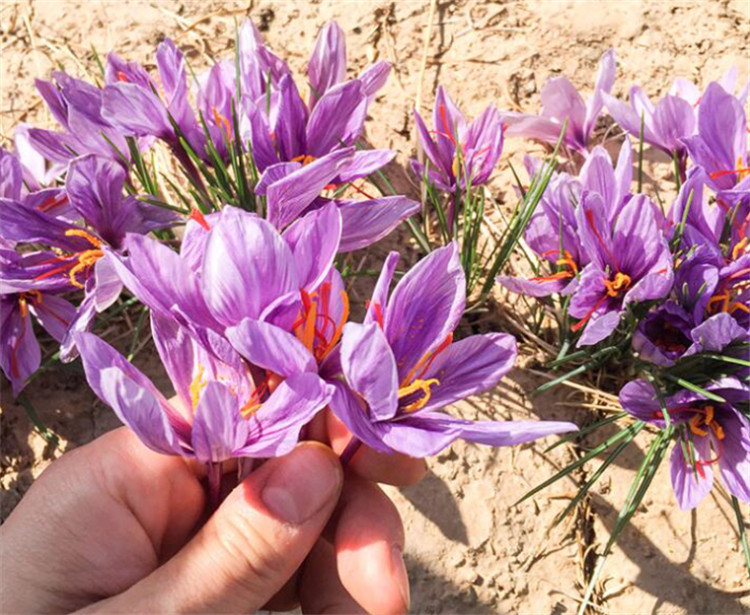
[(94, 188), (293, 190), (20, 299), (224, 407), (553, 229), (233, 266), (327, 66), (561, 101), (720, 145), (140, 106), (400, 367), (459, 153), (665, 124), (77, 107), (709, 434), (630, 262), (284, 130), (668, 334)]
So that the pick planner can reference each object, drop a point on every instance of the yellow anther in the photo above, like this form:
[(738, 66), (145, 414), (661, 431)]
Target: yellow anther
[(415, 387), (739, 248), (619, 284), (695, 425), (305, 159), (197, 386), (79, 232)]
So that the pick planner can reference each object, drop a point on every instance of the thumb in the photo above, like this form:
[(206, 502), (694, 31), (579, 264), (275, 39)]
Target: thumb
[(253, 543)]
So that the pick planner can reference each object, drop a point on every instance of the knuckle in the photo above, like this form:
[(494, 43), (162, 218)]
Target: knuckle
[(257, 563)]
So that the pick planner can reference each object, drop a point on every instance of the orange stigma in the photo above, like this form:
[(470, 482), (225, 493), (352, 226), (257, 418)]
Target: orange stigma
[(621, 283), (318, 331), (305, 159), (197, 215), (220, 120), (740, 170)]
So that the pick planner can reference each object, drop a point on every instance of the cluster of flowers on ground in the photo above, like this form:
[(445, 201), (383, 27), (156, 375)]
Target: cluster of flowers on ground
[(250, 316), (665, 286)]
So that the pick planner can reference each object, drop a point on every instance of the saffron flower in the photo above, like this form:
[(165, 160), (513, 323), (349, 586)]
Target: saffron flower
[(103, 216), (78, 108), (293, 190), (460, 153), (630, 262), (720, 145), (327, 66), (140, 106), (224, 407), (561, 101), (20, 299), (280, 127), (552, 231), (401, 367), (710, 434), (233, 265)]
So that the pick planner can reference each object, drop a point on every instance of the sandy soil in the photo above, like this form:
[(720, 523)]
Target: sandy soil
[(469, 549)]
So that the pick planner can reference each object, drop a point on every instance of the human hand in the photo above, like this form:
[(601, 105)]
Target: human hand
[(115, 527)]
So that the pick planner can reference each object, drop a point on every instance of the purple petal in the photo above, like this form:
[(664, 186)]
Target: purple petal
[(275, 427), (337, 119), (162, 280), (688, 485), (271, 348), (370, 368), (373, 78), (247, 265), (136, 110), (472, 365), (291, 122), (354, 414), (131, 395), (561, 100), (425, 307), (366, 222), (176, 351), (379, 300), (605, 79), (20, 355), (327, 64), (715, 334), (365, 163), (218, 428), (533, 287), (55, 314), (290, 196), (734, 464), (314, 241)]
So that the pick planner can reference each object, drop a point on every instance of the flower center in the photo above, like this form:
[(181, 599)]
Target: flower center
[(76, 263), (620, 283), (305, 159), (418, 386), (318, 331)]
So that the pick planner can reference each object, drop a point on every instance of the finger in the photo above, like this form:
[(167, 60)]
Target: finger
[(252, 545), (320, 589), (369, 542), (395, 469), (113, 504)]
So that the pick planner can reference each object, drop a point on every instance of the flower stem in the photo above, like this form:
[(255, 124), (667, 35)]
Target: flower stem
[(350, 450), (213, 475)]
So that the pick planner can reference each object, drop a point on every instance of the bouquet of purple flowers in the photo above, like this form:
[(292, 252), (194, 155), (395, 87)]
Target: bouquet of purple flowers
[(237, 251)]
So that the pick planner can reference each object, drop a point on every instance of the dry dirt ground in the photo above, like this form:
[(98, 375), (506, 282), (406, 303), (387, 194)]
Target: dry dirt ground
[(469, 549)]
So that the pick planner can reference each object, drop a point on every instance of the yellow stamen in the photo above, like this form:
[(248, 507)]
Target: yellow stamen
[(79, 232), (695, 425), (414, 387), (305, 159), (740, 248), (197, 386), (619, 284), (568, 261), (249, 409), (86, 258)]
